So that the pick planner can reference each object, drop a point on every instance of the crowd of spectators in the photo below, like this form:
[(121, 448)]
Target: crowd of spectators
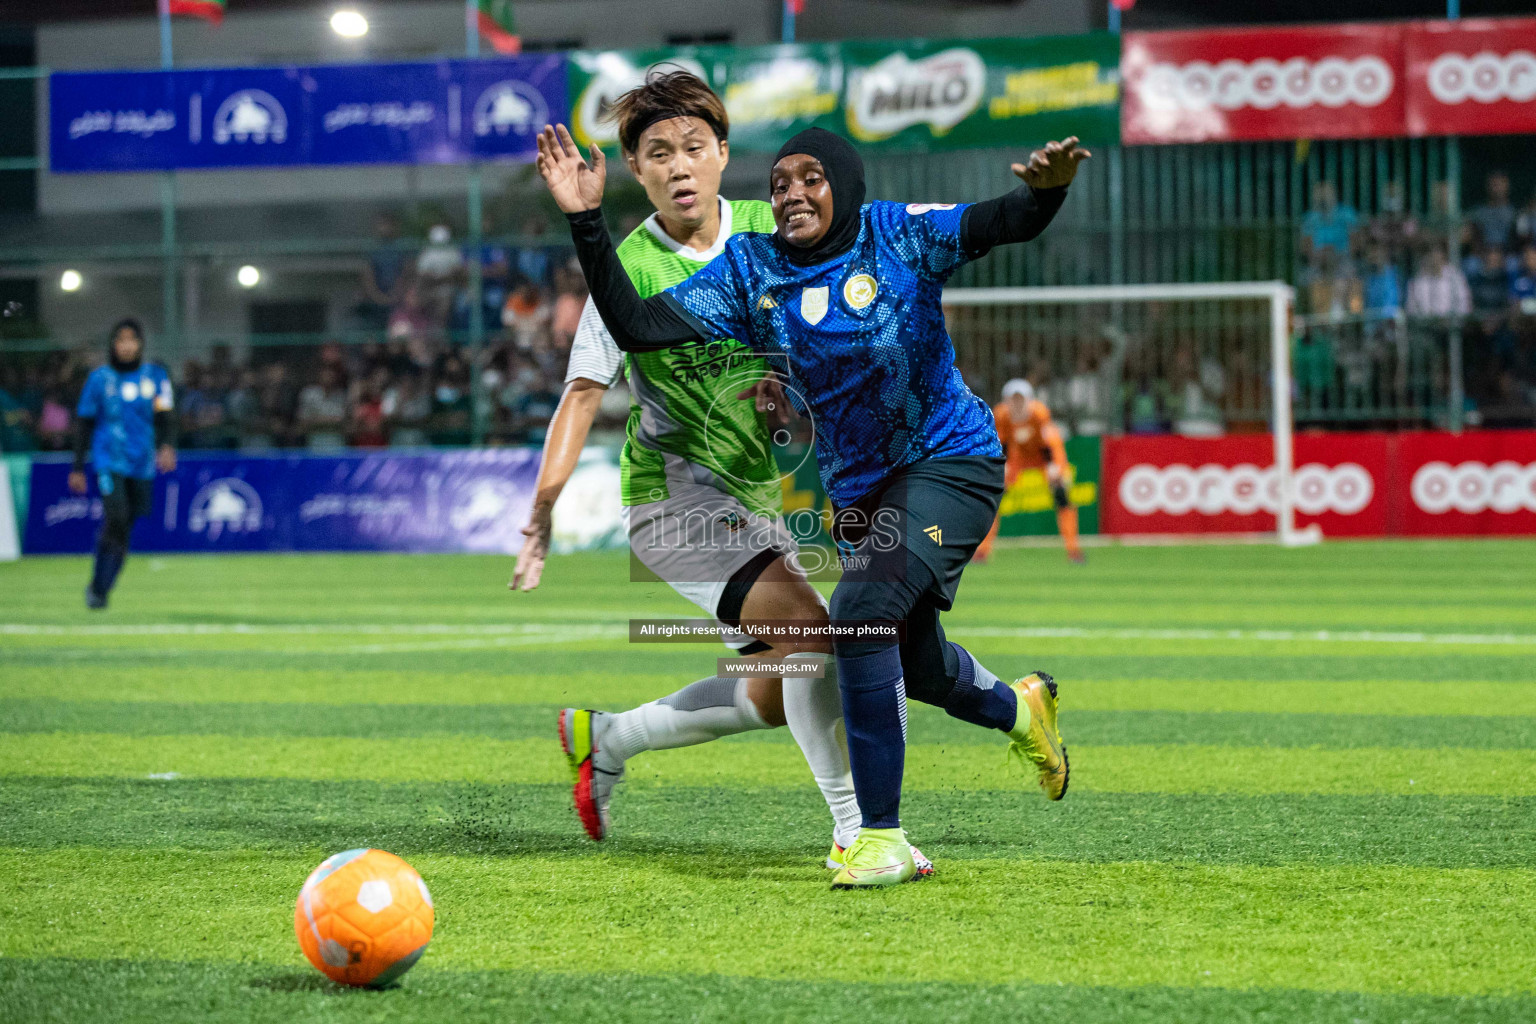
[(407, 375), (1383, 301)]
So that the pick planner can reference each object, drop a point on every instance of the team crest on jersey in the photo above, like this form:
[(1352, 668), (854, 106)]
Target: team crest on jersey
[(813, 304), (859, 291), (130, 391)]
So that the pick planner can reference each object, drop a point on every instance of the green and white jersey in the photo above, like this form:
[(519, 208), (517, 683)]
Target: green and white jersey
[(684, 399)]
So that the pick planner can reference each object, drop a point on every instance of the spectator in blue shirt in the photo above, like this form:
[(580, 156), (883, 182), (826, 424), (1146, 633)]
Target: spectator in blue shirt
[(1329, 224), (1495, 219), (1522, 289), (1383, 287), (1490, 284)]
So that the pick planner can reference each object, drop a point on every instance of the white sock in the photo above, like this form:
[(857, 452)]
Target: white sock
[(814, 710), (701, 711)]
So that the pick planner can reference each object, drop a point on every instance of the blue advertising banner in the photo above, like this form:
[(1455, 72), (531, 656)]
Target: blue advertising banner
[(431, 113), (452, 501)]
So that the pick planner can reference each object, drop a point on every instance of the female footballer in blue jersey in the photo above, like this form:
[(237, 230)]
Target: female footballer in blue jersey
[(845, 298), (125, 422)]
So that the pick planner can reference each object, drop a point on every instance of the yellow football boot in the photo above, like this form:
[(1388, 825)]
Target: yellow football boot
[(1035, 736), (879, 857)]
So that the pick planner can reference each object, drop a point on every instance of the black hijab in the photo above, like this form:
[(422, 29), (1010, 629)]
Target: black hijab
[(845, 176), (138, 360)]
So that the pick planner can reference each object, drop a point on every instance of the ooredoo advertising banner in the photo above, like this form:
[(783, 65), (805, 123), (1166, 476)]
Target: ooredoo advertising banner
[(1482, 482), (1308, 81), (1351, 485), (1475, 77), (1229, 484)]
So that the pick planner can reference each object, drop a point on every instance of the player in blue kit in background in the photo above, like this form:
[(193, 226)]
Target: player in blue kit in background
[(125, 422), (845, 299)]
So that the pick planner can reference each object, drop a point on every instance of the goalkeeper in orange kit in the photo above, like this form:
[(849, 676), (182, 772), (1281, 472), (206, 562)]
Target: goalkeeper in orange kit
[(1032, 441)]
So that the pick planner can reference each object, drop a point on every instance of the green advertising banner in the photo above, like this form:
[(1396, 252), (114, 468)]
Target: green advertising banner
[(920, 95), (958, 94), (770, 92), (1026, 508)]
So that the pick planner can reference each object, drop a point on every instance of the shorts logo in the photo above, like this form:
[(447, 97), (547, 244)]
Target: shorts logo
[(1472, 487), (813, 304), (766, 302), (935, 534), (859, 291), (731, 521)]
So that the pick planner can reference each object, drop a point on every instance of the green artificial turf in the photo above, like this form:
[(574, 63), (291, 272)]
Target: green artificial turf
[(1304, 788)]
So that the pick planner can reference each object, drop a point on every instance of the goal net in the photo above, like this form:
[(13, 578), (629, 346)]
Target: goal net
[(1197, 360)]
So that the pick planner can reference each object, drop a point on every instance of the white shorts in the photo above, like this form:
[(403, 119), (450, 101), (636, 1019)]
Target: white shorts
[(696, 539)]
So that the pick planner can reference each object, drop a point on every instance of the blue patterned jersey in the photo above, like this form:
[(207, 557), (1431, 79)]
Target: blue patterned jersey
[(124, 407), (862, 339)]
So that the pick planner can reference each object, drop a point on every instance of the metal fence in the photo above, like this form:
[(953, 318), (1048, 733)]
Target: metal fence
[(1138, 215)]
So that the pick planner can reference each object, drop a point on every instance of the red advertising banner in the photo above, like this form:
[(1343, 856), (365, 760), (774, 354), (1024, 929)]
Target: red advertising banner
[(1228, 484), (1482, 482), (1351, 485), (1475, 77), (1307, 81)]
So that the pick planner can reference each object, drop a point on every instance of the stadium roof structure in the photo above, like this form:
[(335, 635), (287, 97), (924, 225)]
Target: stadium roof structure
[(1147, 14)]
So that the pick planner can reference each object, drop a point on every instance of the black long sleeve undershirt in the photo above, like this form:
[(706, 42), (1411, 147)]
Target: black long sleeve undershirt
[(165, 429), (637, 325), (660, 322), (85, 429), (1018, 216)]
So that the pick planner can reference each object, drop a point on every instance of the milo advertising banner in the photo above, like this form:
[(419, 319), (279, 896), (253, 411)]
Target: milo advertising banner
[(904, 96), (957, 94)]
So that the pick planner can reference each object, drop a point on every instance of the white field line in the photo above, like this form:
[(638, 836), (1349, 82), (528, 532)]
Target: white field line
[(1338, 636), (570, 634), (316, 629), (500, 634)]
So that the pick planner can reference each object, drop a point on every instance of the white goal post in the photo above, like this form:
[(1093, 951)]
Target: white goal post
[(1279, 297)]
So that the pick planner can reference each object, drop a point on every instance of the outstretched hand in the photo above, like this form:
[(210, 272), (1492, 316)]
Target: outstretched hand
[(530, 560), (768, 396), (576, 184), (1053, 166)]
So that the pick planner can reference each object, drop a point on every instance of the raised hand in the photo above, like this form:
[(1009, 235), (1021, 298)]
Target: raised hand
[(1053, 166), (576, 184)]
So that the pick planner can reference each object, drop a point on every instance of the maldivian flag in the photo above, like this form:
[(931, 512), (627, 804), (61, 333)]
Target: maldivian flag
[(498, 26), (210, 10)]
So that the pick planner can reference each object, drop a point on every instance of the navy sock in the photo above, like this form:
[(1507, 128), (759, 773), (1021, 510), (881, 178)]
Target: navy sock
[(109, 562), (875, 718), (979, 697)]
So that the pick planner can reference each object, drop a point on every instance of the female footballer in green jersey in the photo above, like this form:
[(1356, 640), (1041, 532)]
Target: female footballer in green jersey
[(701, 488)]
